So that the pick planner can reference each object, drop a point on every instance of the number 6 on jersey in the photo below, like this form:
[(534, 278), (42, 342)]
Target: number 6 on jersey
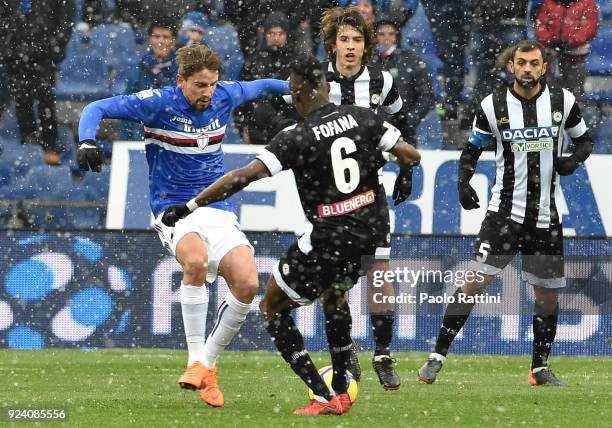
[(346, 170)]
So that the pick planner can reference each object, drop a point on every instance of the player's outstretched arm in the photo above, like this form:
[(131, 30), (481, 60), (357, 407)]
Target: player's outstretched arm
[(259, 88), (406, 156), (141, 107), (88, 155), (226, 186), (232, 182)]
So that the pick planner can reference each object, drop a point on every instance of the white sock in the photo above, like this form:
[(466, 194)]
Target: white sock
[(194, 306), (438, 357), (230, 316), (321, 399), (380, 357)]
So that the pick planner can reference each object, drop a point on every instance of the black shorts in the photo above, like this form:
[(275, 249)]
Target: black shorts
[(501, 238), (304, 277), (383, 246)]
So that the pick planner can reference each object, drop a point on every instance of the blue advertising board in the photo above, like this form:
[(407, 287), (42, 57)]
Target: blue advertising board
[(120, 289)]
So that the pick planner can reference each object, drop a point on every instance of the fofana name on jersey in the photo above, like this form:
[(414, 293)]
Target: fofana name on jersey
[(334, 127)]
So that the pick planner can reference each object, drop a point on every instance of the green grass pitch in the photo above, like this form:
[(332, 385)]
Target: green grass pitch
[(137, 387)]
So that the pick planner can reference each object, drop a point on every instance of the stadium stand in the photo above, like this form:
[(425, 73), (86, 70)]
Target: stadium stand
[(98, 64), (605, 7), (600, 60), (21, 158), (83, 77), (417, 33), (117, 44), (227, 46), (598, 85), (65, 188)]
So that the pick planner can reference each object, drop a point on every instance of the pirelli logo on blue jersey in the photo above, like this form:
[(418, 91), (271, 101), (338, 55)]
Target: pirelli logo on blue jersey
[(531, 139)]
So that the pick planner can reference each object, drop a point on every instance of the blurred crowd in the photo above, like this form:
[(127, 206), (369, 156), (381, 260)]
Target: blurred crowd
[(58, 55)]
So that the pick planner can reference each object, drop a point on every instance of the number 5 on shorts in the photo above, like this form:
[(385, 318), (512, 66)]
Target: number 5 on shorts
[(483, 252)]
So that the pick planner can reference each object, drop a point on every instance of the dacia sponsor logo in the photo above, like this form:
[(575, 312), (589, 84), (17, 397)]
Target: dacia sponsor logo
[(530, 133), (532, 146)]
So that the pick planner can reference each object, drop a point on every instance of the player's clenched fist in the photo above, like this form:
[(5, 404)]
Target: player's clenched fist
[(468, 197), (89, 156), (566, 165), (174, 214), (403, 186)]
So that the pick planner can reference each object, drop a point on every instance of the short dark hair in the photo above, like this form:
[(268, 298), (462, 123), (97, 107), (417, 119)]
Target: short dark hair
[(387, 20), (162, 22), (309, 70), (192, 59), (332, 19), (528, 45)]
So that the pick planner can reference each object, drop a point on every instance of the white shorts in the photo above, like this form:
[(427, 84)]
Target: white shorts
[(218, 229)]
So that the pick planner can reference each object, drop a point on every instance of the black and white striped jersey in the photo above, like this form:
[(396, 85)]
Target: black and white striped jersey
[(372, 87), (335, 154), (529, 136)]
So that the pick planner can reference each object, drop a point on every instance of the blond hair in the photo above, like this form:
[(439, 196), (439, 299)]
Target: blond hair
[(192, 59)]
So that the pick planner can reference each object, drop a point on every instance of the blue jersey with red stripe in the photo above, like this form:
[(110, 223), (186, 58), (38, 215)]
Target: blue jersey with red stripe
[(183, 145)]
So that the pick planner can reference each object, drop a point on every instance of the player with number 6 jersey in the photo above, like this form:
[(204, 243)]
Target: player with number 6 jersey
[(343, 191), (335, 154)]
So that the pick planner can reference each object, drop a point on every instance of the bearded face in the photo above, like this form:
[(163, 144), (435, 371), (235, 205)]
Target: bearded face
[(528, 68)]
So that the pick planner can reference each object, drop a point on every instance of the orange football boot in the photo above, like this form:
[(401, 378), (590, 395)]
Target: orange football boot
[(333, 407), (346, 402), (192, 378), (210, 392)]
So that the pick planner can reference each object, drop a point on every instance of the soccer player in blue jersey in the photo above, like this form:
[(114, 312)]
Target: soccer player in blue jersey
[(184, 127)]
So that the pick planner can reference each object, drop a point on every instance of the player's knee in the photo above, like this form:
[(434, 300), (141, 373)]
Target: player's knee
[(473, 288), (195, 267), (246, 290), (546, 300), (477, 286), (377, 273)]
